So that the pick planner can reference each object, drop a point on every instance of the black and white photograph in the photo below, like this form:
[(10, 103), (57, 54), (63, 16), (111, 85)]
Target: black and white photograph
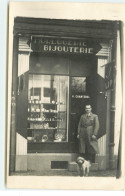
[(65, 67)]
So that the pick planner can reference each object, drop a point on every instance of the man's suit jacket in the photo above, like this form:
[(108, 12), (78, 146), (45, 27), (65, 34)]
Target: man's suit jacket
[(88, 126)]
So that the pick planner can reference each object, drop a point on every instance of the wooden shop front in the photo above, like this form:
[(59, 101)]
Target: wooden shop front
[(58, 69)]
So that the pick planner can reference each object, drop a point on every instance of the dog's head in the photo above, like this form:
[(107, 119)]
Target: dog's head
[(80, 160)]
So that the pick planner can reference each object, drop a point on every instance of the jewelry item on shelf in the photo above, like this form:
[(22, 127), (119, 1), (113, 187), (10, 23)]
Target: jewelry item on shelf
[(32, 109), (42, 109), (37, 110), (29, 101), (46, 125), (36, 101), (44, 138), (59, 136)]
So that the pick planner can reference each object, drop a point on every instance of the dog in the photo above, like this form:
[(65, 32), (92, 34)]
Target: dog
[(83, 166)]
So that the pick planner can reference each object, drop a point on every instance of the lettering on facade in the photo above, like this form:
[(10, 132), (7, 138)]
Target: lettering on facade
[(54, 45), (66, 49), (81, 96)]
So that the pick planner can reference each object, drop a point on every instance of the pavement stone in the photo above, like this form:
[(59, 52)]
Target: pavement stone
[(101, 173)]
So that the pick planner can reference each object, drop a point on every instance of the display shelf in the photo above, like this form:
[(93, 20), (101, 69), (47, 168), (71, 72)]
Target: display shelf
[(44, 121), (47, 125), (47, 103), (54, 141), (48, 112), (32, 129), (46, 129), (44, 112)]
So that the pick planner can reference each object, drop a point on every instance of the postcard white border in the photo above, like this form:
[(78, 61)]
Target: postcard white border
[(63, 10)]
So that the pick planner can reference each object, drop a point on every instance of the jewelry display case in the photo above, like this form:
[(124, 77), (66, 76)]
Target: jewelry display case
[(47, 108)]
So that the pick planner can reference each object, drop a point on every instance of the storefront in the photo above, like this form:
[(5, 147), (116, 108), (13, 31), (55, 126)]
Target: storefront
[(59, 66)]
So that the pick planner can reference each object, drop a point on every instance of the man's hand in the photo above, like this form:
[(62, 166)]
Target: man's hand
[(94, 137), (78, 136)]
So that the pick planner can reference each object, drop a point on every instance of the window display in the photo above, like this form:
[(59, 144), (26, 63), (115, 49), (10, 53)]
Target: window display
[(47, 108)]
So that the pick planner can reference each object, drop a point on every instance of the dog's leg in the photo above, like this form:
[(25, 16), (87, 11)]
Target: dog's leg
[(81, 171), (84, 172), (78, 170), (87, 171)]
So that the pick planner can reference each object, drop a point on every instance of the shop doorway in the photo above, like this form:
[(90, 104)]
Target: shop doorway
[(87, 90), (79, 99)]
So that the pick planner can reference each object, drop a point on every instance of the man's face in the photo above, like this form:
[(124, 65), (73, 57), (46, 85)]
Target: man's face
[(88, 109)]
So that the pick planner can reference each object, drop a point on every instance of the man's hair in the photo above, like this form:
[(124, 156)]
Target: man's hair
[(88, 105)]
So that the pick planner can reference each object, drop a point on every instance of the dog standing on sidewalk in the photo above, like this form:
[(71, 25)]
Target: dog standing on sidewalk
[(83, 166)]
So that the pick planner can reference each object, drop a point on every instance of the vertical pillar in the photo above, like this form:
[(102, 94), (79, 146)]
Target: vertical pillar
[(112, 104), (13, 105)]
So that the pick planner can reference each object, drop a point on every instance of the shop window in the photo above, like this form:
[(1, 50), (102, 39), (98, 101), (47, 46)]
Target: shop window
[(48, 108)]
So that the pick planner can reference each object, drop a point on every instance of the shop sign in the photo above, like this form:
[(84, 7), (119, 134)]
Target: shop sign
[(67, 46), (81, 96), (109, 76)]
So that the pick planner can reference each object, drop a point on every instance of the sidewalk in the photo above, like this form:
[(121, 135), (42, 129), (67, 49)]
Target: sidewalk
[(101, 173)]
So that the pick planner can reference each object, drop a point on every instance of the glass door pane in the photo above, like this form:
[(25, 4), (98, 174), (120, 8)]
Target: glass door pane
[(48, 108), (79, 98)]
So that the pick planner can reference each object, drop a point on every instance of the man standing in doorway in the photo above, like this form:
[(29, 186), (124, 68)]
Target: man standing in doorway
[(87, 134)]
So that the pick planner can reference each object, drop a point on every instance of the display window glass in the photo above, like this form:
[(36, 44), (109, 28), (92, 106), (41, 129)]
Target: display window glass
[(48, 108)]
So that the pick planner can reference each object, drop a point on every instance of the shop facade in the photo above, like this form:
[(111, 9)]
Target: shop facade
[(59, 66)]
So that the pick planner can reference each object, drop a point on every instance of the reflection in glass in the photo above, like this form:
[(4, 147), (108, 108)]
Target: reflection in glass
[(79, 99), (78, 85)]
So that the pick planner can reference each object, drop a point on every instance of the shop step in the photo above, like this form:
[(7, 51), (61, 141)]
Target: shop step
[(48, 161), (72, 166)]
